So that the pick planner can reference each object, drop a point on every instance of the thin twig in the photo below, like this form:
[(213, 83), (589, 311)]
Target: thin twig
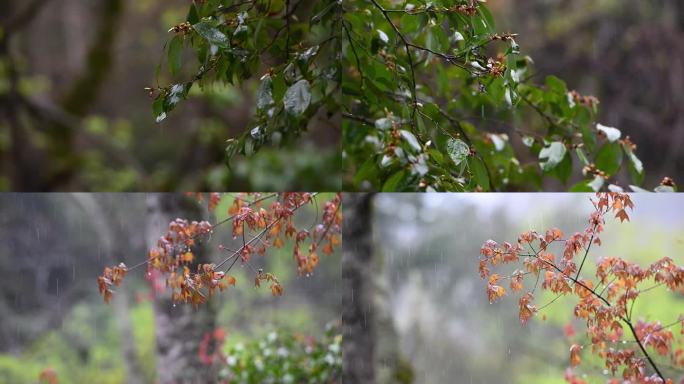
[(407, 46)]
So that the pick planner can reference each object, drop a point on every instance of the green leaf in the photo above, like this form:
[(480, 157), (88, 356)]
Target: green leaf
[(279, 87), (319, 16), (392, 184), (458, 150), (552, 155), (582, 156), (609, 158), (265, 93), (636, 163), (635, 167), (498, 141), (664, 188), (158, 106), (368, 171), (486, 18), (211, 34), (597, 183), (384, 123), (232, 148), (479, 172), (175, 51), (634, 188), (564, 169), (297, 98), (411, 139), (193, 15), (556, 85), (383, 36), (612, 134), (249, 147), (582, 186)]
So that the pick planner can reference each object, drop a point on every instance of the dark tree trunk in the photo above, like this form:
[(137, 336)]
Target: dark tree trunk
[(180, 327), (357, 291)]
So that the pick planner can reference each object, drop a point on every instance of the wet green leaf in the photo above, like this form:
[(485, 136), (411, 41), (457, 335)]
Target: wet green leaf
[(211, 34), (394, 182), (609, 158), (552, 155), (297, 98), (612, 134), (265, 93), (479, 172), (458, 150), (411, 139), (174, 56)]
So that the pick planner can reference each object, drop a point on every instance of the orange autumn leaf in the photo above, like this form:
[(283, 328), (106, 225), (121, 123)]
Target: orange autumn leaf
[(494, 278), (187, 257), (278, 242), (527, 309), (583, 292), (276, 289), (48, 376), (622, 215), (574, 355), (494, 292), (516, 281)]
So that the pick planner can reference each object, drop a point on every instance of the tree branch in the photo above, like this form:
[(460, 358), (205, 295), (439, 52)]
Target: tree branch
[(407, 46)]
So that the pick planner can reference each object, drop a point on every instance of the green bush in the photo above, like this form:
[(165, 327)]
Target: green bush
[(284, 357)]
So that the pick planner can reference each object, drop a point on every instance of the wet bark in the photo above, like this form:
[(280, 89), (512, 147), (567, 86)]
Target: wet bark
[(357, 292)]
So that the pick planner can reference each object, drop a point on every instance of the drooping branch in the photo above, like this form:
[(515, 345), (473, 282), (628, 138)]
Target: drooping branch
[(173, 253)]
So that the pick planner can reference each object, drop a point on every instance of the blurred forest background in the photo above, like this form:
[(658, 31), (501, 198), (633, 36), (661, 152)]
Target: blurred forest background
[(72, 79), (628, 53), (428, 302), (55, 245)]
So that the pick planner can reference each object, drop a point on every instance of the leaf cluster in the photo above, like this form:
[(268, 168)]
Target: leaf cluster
[(232, 41)]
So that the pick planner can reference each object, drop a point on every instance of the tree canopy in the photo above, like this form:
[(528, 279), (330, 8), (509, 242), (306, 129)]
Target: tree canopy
[(425, 82)]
